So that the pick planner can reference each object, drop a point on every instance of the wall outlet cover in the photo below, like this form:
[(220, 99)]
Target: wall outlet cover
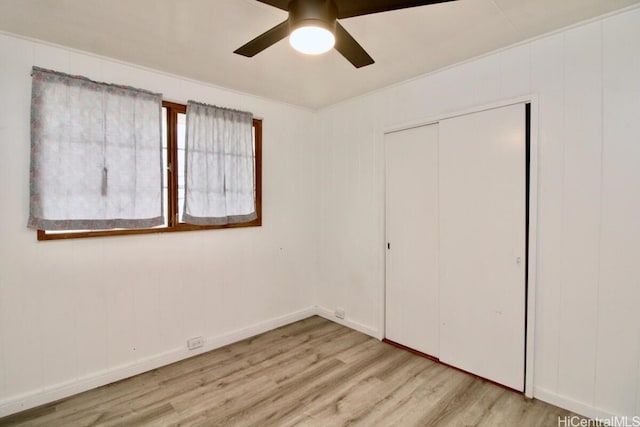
[(194, 343)]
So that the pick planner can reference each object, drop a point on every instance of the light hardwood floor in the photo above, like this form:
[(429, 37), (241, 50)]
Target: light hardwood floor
[(310, 373)]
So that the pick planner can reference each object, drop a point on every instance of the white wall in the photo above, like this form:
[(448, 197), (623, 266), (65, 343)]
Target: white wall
[(587, 348), (75, 314)]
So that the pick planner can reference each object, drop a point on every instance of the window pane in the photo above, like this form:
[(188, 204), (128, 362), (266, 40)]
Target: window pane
[(165, 163), (182, 130), (255, 186), (165, 195)]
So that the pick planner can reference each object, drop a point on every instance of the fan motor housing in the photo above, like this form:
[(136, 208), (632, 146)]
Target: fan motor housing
[(319, 13)]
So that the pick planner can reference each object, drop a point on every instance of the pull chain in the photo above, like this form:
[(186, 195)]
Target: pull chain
[(105, 179)]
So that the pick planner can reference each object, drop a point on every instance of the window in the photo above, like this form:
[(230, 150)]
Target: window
[(173, 161)]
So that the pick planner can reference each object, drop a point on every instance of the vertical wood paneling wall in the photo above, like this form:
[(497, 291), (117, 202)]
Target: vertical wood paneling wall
[(76, 313), (587, 348)]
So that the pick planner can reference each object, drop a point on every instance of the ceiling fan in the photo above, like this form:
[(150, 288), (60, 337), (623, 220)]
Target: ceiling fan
[(313, 28)]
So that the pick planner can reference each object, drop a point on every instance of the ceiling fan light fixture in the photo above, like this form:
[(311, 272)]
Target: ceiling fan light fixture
[(312, 40), (312, 25)]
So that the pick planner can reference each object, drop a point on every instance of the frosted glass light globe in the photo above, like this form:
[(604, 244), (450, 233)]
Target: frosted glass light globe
[(312, 40)]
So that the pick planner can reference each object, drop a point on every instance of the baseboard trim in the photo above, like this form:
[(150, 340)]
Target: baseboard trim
[(98, 379), (329, 315), (572, 405)]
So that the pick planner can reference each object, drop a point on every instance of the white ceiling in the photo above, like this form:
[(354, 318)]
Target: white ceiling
[(196, 39)]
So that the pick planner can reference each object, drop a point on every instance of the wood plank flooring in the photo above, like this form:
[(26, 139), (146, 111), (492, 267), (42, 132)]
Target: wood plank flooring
[(310, 373)]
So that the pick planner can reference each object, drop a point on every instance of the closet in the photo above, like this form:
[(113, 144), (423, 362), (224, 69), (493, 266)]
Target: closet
[(456, 227)]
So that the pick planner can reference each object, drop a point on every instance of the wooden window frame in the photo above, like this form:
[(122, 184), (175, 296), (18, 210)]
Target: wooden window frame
[(173, 223)]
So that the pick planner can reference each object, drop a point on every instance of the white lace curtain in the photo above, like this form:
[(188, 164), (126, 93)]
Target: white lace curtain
[(96, 159), (220, 183)]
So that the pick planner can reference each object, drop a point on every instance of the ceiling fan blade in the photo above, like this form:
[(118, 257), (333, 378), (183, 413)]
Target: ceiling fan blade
[(280, 4), (350, 49), (351, 8), (264, 40)]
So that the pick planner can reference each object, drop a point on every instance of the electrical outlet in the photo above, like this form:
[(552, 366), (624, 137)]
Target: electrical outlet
[(340, 313), (194, 343)]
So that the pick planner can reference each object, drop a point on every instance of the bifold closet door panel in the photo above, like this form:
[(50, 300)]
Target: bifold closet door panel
[(482, 243), (411, 296)]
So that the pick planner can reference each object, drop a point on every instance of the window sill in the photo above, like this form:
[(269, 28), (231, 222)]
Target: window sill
[(181, 227)]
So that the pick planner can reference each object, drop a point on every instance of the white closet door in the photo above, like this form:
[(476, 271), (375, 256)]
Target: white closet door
[(412, 233), (482, 243)]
